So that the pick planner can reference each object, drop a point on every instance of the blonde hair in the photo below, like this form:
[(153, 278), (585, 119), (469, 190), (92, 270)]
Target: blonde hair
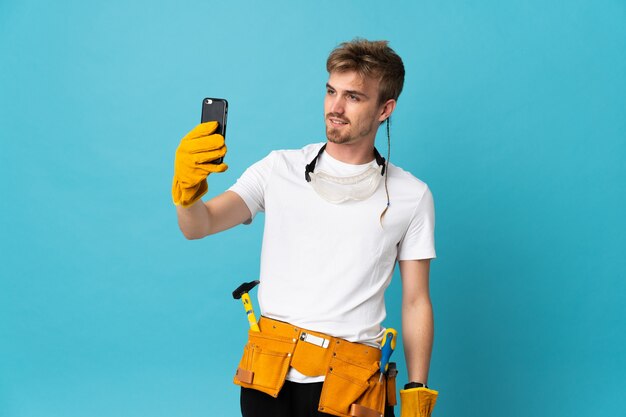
[(373, 59)]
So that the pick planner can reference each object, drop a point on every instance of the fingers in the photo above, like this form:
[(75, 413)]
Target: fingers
[(202, 171), (202, 144), (203, 149), (205, 143), (197, 152), (209, 156), (197, 173), (203, 129), (212, 168)]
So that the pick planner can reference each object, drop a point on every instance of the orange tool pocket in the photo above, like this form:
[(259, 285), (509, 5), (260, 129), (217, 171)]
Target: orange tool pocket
[(265, 362)]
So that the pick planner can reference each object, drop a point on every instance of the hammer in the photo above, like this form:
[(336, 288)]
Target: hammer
[(242, 292)]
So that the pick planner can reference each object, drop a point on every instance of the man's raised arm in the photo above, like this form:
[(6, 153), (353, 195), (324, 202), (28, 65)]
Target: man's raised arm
[(220, 213), (196, 158)]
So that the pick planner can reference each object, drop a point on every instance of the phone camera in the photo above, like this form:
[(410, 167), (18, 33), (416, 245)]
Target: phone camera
[(209, 101)]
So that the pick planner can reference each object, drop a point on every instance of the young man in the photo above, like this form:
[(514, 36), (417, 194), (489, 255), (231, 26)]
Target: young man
[(337, 218)]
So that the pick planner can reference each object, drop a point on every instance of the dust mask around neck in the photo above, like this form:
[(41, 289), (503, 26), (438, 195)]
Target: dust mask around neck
[(338, 190)]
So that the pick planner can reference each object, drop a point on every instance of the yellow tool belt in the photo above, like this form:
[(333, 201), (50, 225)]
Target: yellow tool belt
[(351, 386)]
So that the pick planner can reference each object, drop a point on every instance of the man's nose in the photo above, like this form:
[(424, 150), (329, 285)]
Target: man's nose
[(337, 105)]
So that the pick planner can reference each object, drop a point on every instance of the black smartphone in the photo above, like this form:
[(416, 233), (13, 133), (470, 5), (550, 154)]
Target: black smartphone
[(215, 109)]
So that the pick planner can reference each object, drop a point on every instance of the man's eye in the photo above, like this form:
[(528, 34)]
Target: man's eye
[(330, 92), (353, 97)]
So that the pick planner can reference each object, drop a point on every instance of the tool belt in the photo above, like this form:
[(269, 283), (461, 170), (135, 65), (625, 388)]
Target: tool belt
[(351, 386)]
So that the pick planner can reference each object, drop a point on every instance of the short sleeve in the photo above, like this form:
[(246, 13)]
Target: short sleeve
[(419, 240), (252, 183)]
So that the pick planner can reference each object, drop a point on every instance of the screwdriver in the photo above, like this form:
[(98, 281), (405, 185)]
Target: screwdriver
[(388, 346)]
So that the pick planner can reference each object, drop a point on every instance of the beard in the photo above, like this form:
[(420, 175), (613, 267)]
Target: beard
[(345, 134), (335, 136)]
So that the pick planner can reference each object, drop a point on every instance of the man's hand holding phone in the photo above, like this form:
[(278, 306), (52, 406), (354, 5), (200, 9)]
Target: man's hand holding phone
[(194, 161)]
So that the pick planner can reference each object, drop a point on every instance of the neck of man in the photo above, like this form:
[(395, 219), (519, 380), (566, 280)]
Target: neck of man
[(356, 153)]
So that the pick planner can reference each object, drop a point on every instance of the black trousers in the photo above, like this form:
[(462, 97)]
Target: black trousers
[(294, 400)]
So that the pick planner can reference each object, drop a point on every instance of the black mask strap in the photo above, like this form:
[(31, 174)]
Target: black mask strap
[(311, 166), (380, 161)]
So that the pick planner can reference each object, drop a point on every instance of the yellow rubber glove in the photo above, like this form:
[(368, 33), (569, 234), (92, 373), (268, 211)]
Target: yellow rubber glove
[(193, 163), (417, 402)]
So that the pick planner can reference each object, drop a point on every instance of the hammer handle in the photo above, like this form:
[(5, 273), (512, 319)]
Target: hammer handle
[(247, 305)]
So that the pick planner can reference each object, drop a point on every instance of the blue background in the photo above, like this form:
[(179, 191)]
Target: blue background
[(513, 112)]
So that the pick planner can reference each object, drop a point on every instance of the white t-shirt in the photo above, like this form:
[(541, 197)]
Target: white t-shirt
[(325, 266)]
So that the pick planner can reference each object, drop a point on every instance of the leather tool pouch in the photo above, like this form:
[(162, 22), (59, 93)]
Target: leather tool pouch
[(351, 386), (265, 362)]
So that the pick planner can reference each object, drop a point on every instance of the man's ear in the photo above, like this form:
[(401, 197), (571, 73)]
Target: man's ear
[(386, 109)]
